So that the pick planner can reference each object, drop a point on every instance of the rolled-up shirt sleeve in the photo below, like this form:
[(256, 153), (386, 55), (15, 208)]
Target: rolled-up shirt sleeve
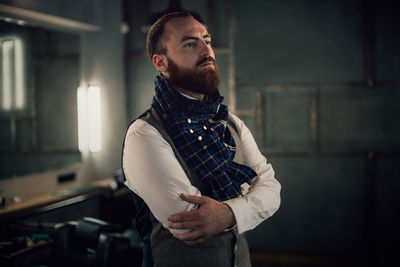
[(153, 172), (262, 199)]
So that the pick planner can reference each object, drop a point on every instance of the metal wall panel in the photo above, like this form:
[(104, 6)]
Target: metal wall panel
[(360, 118), (297, 42), (322, 209)]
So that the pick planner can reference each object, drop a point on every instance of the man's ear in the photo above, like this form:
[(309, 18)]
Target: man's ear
[(160, 62)]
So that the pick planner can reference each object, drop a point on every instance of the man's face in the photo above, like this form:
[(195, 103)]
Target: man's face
[(190, 57)]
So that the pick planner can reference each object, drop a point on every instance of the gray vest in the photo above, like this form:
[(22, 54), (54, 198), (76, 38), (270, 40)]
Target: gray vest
[(225, 249)]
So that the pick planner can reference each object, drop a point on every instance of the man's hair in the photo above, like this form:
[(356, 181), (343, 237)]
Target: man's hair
[(153, 41)]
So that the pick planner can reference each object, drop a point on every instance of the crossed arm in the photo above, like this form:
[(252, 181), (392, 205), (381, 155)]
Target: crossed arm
[(178, 205)]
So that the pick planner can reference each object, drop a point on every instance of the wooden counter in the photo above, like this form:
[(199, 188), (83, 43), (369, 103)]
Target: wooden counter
[(64, 195)]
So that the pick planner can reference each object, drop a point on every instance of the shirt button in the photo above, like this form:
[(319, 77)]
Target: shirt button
[(190, 131), (205, 127), (199, 138), (212, 129), (189, 120), (204, 147), (236, 247)]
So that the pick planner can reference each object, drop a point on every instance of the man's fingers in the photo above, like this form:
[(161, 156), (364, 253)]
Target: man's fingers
[(188, 215), (184, 225), (194, 199), (184, 216)]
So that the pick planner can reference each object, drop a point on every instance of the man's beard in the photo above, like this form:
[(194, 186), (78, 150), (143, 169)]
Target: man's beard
[(204, 81)]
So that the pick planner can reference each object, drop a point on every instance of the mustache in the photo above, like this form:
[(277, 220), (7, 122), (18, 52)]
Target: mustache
[(205, 59)]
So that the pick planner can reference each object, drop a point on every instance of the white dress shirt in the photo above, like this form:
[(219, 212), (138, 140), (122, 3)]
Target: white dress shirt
[(153, 173)]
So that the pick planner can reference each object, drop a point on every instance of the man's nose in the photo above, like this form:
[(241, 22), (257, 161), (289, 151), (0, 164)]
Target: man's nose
[(206, 50)]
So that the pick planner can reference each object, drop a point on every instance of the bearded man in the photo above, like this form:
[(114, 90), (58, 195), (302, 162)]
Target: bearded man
[(198, 178)]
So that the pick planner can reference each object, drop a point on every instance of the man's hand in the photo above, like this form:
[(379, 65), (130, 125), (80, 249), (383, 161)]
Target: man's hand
[(212, 217)]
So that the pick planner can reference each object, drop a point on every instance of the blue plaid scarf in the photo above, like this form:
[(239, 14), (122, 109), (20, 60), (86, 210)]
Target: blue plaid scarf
[(200, 133)]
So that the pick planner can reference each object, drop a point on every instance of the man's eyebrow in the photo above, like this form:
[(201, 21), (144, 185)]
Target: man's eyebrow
[(185, 38)]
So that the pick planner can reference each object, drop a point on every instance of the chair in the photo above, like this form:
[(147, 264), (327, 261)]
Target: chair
[(92, 242)]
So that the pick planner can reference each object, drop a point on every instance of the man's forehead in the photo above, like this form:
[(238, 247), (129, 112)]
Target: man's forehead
[(184, 26)]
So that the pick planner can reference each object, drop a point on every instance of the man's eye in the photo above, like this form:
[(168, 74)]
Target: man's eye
[(208, 42), (189, 45)]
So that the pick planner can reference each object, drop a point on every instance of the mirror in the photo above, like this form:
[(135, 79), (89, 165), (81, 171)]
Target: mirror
[(39, 75)]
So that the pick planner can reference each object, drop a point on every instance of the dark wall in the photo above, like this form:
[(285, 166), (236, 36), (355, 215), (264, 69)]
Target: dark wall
[(323, 78)]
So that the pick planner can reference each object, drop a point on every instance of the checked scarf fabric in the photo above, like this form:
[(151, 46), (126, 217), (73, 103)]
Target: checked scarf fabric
[(200, 133)]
